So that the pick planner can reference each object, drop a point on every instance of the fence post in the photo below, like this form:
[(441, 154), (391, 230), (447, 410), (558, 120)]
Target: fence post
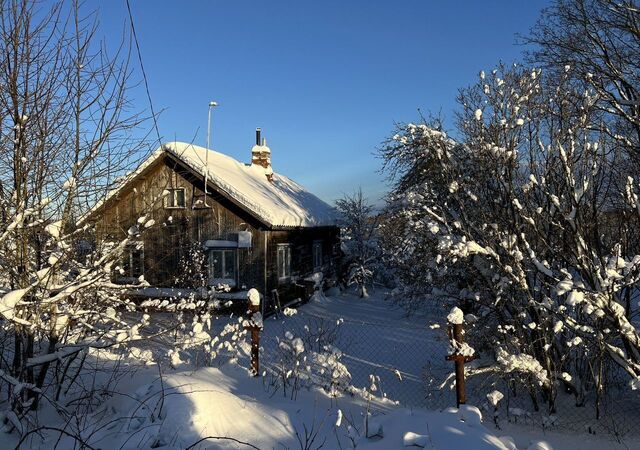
[(254, 324), (456, 336)]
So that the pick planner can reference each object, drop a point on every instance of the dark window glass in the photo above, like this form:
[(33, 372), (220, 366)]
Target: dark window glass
[(222, 266), (175, 198), (133, 261)]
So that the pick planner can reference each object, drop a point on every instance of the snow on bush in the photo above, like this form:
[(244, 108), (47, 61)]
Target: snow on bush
[(300, 367), (514, 224), (494, 397), (309, 359)]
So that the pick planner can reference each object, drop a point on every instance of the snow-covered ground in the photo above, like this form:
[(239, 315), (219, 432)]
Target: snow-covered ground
[(173, 402), (376, 338), (233, 409)]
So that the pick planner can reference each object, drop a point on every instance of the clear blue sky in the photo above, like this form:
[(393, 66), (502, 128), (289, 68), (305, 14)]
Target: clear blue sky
[(326, 80)]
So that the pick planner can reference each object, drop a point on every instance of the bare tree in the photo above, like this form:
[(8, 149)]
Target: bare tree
[(358, 236), (598, 43), (65, 138)]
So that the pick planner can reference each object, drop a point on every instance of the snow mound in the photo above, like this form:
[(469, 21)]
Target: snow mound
[(456, 316), (451, 429), (208, 403)]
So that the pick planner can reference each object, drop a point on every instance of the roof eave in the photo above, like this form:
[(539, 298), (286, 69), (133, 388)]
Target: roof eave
[(300, 227), (114, 193), (176, 158)]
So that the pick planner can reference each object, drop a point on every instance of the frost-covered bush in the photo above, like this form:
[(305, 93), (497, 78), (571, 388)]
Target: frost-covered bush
[(310, 359), (358, 228), (525, 221), (329, 372), (203, 300), (195, 342), (292, 369), (320, 332), (194, 273)]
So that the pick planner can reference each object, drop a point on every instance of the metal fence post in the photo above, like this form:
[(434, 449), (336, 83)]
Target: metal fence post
[(456, 336)]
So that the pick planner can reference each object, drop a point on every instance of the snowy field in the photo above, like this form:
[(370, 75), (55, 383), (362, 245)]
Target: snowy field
[(147, 397)]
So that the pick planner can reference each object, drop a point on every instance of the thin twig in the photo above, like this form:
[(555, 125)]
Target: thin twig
[(221, 438)]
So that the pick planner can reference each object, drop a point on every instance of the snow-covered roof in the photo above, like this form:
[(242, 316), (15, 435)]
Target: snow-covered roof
[(280, 202)]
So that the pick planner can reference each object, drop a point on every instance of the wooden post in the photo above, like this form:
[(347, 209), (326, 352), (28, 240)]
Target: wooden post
[(456, 336), (255, 326), (255, 343)]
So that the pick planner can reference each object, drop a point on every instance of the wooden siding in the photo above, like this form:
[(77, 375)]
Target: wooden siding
[(301, 241), (176, 230)]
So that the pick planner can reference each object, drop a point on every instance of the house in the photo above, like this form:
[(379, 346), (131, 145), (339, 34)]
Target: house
[(253, 227)]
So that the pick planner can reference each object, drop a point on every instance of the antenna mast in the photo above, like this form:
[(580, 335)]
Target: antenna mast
[(212, 104)]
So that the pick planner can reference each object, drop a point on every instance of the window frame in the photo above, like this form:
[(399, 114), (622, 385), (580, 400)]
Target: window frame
[(128, 263), (173, 193), (211, 273), (317, 256), (201, 222), (285, 274)]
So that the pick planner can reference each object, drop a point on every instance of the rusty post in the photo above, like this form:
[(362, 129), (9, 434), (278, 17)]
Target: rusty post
[(461, 396), (456, 336), (255, 343)]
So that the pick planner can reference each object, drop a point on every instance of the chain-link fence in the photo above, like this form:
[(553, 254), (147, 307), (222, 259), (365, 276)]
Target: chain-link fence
[(614, 412), (408, 355), (398, 356), (405, 354)]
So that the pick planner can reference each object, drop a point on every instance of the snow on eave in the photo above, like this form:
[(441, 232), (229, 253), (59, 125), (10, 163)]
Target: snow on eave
[(285, 204), (278, 203)]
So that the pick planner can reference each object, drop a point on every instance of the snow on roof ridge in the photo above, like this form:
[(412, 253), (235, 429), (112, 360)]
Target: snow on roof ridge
[(280, 202), (256, 209)]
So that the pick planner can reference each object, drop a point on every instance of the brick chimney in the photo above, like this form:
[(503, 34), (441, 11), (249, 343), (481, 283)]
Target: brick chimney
[(261, 155)]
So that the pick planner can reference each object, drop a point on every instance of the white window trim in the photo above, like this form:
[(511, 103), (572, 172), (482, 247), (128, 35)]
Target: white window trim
[(173, 191)]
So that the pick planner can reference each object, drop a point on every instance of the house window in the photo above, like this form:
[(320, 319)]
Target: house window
[(133, 263), (317, 255), (175, 198), (284, 261), (222, 266)]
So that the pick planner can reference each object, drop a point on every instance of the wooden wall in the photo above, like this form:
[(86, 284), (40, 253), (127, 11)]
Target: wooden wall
[(175, 230), (301, 241)]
